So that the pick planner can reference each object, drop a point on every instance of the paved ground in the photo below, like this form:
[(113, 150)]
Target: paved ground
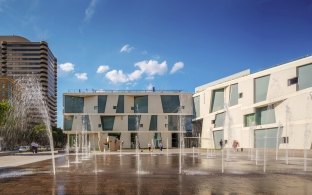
[(158, 173)]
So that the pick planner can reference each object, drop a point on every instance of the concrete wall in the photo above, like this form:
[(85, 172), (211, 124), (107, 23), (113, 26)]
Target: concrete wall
[(121, 119), (292, 108)]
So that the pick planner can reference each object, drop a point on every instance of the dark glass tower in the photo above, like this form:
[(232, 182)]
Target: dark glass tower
[(21, 57)]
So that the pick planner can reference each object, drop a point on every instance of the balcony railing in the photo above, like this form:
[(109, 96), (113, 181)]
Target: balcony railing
[(121, 91)]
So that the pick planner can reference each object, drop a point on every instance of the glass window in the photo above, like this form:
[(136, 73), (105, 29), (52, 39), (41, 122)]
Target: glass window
[(68, 122), (261, 88), (217, 102), (304, 77), (217, 136), (141, 104), (85, 123), (196, 106), (74, 104), (134, 122), (120, 104), (249, 120), (153, 123), (234, 94), (266, 138), (170, 103), (107, 123), (188, 123), (173, 121), (101, 103), (219, 121), (265, 115)]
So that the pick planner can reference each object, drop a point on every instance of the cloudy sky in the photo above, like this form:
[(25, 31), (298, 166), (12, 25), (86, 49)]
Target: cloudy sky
[(166, 44)]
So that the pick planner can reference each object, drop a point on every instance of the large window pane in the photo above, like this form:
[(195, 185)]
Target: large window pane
[(134, 122), (261, 88), (173, 121), (217, 136), (74, 104), (266, 138), (101, 103), (120, 104), (219, 120), (153, 123), (265, 116), (86, 123), (141, 104), (196, 106), (68, 123), (107, 123), (217, 102), (170, 103), (234, 94), (188, 123), (249, 120), (304, 76)]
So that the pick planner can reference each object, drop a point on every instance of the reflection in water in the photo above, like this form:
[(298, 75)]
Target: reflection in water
[(199, 176)]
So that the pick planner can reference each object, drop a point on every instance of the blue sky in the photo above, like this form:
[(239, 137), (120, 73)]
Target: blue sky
[(169, 44)]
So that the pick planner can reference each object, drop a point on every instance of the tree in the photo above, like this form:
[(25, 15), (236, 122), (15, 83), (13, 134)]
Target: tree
[(39, 134), (4, 109), (59, 138)]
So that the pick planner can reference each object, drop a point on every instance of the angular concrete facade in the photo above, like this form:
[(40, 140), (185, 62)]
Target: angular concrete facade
[(271, 108), (105, 116)]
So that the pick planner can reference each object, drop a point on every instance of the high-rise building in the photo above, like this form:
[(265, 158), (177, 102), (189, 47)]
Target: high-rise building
[(20, 57)]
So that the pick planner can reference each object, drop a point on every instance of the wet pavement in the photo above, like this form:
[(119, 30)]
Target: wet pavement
[(243, 173)]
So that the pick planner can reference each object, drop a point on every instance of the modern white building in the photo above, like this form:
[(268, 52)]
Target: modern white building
[(271, 108), (110, 116)]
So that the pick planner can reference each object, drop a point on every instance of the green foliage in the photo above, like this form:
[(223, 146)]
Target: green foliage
[(59, 138), (4, 109), (39, 134)]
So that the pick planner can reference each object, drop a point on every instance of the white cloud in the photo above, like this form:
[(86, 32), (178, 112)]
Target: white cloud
[(135, 75), (116, 76), (177, 66), (67, 67), (82, 76), (90, 10), (102, 69), (126, 49), (148, 68), (152, 67)]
